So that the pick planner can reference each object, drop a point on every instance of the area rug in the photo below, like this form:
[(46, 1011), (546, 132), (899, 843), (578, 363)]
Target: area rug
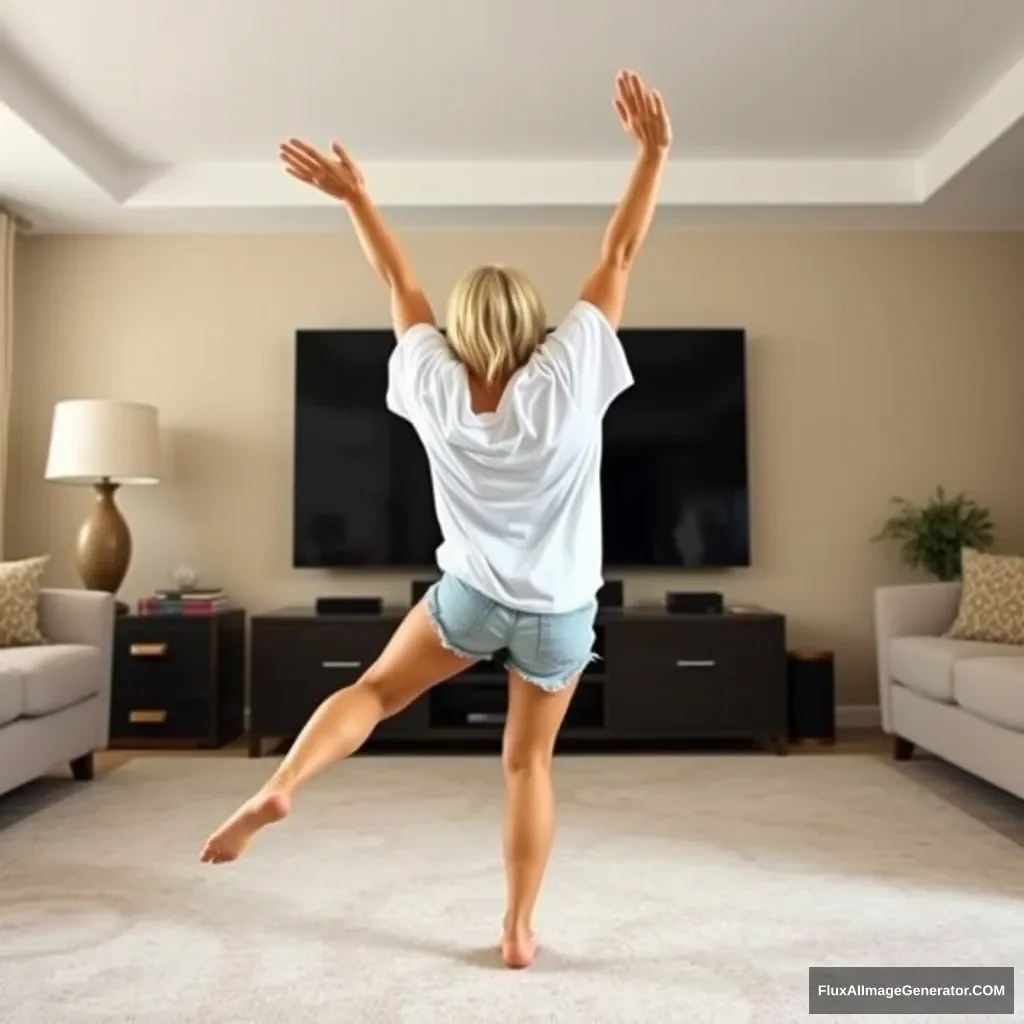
[(692, 889)]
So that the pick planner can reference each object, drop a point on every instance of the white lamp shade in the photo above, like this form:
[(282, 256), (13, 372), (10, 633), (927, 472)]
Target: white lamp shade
[(93, 440)]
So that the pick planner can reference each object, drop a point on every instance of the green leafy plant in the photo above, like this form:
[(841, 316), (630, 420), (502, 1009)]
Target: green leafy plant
[(931, 536)]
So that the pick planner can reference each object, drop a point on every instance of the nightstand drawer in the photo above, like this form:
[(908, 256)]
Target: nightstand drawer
[(175, 655), (153, 693), (179, 719)]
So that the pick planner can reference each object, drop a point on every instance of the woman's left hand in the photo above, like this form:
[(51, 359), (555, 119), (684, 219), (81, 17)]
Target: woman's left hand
[(337, 175)]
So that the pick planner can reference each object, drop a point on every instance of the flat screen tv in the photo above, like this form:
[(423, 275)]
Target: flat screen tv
[(674, 478)]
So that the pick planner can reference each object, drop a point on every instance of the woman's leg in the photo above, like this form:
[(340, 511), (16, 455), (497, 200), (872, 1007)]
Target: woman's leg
[(413, 661), (534, 718)]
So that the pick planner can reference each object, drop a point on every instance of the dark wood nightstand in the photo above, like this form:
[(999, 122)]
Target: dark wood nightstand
[(179, 680)]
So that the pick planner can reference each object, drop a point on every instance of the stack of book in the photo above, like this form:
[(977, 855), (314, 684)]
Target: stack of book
[(197, 601)]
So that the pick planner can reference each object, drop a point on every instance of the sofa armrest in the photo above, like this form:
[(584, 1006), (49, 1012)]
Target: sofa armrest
[(911, 609), (84, 617), (77, 617)]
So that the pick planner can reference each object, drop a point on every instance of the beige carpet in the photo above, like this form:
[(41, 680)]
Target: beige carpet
[(691, 889)]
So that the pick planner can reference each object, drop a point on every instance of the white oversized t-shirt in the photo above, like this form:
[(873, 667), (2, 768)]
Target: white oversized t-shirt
[(518, 490)]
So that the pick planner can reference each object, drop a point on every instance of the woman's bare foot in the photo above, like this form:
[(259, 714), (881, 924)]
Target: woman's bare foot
[(518, 948), (230, 840)]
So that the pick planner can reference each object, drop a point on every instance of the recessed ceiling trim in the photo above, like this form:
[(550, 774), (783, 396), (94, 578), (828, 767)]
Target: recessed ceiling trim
[(564, 184), (983, 125), (31, 100)]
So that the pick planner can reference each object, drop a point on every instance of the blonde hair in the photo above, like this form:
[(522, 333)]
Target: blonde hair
[(495, 321)]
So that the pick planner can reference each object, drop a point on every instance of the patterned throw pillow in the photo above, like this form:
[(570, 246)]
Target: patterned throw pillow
[(992, 599), (20, 583)]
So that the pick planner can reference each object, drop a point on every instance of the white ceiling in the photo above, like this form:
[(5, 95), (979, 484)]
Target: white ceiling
[(138, 115)]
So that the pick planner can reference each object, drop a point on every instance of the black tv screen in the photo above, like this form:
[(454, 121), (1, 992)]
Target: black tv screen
[(674, 475)]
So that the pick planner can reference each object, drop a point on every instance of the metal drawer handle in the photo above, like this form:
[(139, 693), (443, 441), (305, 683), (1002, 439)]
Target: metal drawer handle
[(342, 664), (148, 650), (147, 717), (483, 718), (708, 663)]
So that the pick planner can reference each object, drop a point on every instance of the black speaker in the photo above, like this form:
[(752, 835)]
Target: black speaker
[(349, 605), (694, 602), (419, 589), (811, 696)]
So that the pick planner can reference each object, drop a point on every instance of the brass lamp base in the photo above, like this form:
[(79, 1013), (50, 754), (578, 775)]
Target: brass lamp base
[(104, 546)]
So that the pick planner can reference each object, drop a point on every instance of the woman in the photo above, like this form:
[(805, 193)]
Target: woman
[(511, 423)]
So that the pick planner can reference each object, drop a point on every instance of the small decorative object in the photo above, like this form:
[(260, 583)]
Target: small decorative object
[(185, 577), (933, 535), (105, 444)]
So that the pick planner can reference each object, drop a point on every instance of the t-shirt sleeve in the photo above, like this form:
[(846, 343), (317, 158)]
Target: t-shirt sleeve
[(589, 359), (415, 364)]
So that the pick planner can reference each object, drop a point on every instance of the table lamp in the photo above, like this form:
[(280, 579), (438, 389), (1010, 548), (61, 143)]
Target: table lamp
[(105, 444)]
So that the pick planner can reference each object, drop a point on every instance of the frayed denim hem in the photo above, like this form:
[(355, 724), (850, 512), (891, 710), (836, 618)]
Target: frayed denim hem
[(430, 607), (546, 683)]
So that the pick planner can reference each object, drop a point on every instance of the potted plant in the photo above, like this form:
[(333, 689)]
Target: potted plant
[(932, 536)]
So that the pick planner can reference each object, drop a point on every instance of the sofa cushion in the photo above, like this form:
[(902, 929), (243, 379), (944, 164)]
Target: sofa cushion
[(19, 601), (992, 599), (925, 663), (54, 676), (993, 689), (12, 693)]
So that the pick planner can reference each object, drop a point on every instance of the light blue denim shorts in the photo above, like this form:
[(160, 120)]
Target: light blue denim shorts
[(548, 650)]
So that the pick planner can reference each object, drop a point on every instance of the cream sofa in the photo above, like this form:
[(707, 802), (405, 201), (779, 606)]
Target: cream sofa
[(958, 699), (55, 697)]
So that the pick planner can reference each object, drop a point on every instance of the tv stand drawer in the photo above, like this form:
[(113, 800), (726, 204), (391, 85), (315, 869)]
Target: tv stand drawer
[(697, 676), (321, 645)]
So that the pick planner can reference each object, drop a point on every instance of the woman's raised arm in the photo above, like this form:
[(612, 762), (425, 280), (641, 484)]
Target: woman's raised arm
[(339, 176)]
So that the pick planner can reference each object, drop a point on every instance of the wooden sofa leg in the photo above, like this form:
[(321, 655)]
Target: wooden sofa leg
[(902, 749), (84, 768)]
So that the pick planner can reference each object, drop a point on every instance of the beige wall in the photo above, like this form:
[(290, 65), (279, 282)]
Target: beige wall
[(878, 365)]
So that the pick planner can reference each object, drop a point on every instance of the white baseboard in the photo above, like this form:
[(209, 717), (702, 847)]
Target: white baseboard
[(858, 716)]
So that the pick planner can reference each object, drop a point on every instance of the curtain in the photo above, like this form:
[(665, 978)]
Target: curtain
[(7, 231)]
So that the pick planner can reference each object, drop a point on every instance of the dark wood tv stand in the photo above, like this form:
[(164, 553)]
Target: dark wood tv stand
[(661, 680)]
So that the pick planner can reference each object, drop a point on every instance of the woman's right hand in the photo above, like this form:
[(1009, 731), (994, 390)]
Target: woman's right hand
[(642, 113), (337, 175)]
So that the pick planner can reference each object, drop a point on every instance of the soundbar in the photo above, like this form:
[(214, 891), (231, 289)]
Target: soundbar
[(693, 602), (349, 605)]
